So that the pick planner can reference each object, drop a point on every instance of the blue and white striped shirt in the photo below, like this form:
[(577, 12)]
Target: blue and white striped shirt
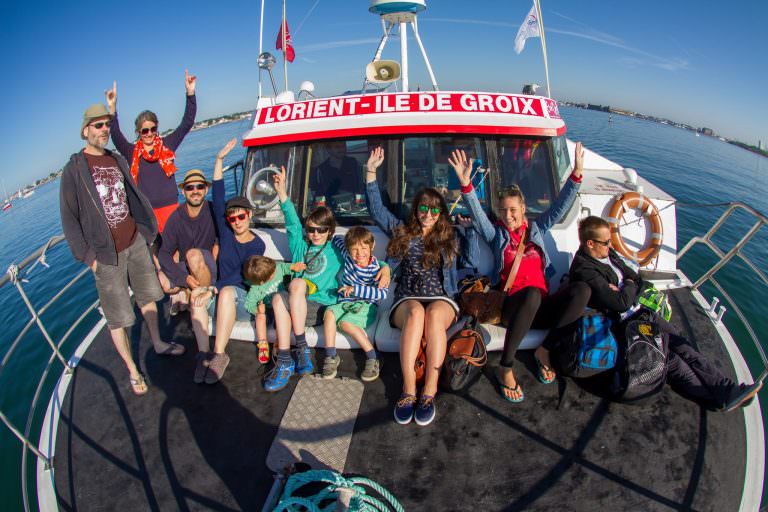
[(362, 279)]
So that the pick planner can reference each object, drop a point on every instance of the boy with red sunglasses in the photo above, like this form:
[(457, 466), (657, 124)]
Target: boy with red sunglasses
[(236, 244)]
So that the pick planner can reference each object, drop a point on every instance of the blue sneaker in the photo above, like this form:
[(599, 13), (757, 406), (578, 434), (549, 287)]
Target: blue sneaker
[(303, 358), (425, 410), (404, 408), (278, 378)]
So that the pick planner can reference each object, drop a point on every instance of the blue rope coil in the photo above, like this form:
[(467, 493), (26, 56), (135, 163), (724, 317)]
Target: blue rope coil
[(359, 502)]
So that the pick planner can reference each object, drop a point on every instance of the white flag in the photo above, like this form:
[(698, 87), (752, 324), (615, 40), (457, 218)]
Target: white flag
[(529, 28)]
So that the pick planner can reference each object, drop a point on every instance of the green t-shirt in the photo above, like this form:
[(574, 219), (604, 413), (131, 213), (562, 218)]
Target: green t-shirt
[(263, 292), (323, 268)]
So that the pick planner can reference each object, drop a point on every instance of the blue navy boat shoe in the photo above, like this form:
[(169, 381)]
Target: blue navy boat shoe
[(404, 408), (278, 378), (303, 358), (425, 410)]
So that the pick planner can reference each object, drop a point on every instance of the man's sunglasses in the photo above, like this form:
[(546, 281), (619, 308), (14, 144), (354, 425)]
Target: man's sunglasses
[(319, 229), (604, 243), (239, 216), (195, 186), (152, 129), (101, 124), (435, 210)]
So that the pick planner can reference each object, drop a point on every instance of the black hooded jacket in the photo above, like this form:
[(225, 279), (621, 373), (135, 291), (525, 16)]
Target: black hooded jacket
[(599, 276)]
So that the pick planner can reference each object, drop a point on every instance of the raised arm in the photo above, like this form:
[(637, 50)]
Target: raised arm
[(218, 189), (173, 139), (567, 195), (296, 243), (118, 139), (380, 215), (462, 166)]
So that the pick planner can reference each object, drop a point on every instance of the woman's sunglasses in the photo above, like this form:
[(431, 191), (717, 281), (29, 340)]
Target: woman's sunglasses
[(239, 216), (152, 129), (435, 210), (319, 229)]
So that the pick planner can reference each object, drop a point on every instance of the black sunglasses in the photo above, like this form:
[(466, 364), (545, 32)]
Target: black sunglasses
[(604, 243), (101, 124), (195, 186), (152, 129), (319, 229)]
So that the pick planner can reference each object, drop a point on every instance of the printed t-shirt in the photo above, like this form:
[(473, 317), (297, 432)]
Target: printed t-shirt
[(111, 188)]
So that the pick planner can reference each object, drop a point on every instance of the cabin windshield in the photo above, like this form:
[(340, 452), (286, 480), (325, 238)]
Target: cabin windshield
[(332, 173)]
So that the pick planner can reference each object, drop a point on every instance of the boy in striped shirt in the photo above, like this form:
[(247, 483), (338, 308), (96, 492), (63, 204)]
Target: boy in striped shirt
[(364, 283)]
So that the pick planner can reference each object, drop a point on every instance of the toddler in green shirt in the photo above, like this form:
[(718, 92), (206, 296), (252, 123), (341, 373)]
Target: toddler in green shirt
[(266, 277)]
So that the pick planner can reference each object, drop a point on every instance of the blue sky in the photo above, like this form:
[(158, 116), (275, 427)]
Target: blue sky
[(696, 62)]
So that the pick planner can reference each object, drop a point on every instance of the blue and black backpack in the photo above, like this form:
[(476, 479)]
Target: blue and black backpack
[(590, 349)]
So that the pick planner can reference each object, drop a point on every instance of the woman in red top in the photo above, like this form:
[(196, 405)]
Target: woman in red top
[(528, 302)]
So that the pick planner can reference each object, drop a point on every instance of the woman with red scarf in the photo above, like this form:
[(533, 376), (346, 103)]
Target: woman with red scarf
[(152, 157)]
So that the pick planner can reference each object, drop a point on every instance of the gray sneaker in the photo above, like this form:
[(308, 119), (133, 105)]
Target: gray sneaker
[(330, 365), (216, 367), (201, 367), (371, 370)]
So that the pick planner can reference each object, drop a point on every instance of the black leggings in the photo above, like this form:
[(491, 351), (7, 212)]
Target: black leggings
[(526, 308)]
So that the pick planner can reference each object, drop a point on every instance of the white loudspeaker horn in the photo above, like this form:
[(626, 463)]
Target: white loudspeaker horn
[(382, 71)]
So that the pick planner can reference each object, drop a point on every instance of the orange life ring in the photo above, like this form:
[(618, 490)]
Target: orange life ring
[(635, 201)]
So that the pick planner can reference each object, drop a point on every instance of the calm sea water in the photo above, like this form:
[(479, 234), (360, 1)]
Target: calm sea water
[(692, 169)]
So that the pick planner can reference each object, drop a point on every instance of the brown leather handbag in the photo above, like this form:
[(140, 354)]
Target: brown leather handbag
[(466, 356), (478, 300), (421, 362)]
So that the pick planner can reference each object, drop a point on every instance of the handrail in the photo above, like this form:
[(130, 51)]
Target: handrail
[(232, 168), (17, 275), (726, 256)]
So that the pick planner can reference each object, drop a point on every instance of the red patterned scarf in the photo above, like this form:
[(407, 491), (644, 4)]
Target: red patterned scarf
[(161, 153)]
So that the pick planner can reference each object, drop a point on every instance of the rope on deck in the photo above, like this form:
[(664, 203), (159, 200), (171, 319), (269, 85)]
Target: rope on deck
[(359, 501)]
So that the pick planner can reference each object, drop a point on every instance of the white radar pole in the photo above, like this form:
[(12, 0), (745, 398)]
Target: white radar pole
[(402, 14)]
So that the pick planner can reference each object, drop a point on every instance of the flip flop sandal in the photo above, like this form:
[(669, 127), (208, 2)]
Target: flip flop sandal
[(138, 385), (542, 368), (173, 349), (515, 389)]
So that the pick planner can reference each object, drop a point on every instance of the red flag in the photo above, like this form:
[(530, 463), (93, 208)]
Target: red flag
[(289, 53)]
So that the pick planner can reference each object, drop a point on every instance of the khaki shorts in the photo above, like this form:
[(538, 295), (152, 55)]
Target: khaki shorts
[(359, 313), (315, 310), (134, 266)]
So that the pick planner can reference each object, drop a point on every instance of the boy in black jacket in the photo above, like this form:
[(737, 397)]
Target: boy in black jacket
[(615, 288)]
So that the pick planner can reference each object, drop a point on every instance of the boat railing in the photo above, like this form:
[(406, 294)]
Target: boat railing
[(725, 257), (15, 276)]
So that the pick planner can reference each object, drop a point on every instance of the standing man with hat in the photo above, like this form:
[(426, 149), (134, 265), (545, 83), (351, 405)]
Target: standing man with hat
[(187, 255), (108, 223), (237, 243)]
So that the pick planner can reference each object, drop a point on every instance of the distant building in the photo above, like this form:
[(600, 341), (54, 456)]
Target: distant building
[(760, 145), (706, 131), (601, 108)]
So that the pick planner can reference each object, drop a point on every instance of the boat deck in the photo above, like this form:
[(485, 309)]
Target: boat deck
[(196, 447)]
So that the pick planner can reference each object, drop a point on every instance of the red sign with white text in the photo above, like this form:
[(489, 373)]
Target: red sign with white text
[(418, 102)]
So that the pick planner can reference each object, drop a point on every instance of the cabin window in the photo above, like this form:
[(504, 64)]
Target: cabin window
[(335, 176), (425, 164), (562, 158), (526, 162)]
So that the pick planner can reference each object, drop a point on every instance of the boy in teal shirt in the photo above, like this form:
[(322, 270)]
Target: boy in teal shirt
[(304, 302), (266, 277)]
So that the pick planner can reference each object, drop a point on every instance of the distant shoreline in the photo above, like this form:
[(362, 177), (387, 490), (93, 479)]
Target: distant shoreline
[(661, 120)]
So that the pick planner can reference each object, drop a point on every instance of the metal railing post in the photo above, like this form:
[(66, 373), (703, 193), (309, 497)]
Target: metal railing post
[(26, 442), (729, 255)]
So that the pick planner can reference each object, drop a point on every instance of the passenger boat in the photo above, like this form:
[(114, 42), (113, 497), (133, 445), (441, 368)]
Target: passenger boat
[(227, 447)]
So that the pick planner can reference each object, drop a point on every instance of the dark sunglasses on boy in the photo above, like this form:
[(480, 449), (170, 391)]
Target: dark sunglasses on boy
[(239, 216), (435, 210), (151, 129), (195, 186), (319, 229)]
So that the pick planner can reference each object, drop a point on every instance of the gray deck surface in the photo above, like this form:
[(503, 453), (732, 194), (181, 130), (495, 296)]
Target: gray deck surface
[(196, 447)]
